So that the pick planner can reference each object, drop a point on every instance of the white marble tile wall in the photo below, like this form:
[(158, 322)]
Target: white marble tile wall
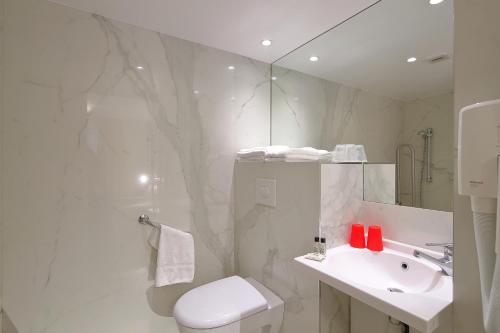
[(341, 199), (335, 310), (435, 112), (82, 123), (309, 111), (269, 238), (379, 183)]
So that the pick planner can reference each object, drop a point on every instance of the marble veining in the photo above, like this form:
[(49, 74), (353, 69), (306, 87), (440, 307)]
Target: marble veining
[(268, 238), (92, 107), (309, 111), (334, 310), (341, 198)]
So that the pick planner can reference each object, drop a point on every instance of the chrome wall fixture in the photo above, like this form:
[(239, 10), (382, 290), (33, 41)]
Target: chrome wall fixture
[(144, 219), (411, 150), (427, 135)]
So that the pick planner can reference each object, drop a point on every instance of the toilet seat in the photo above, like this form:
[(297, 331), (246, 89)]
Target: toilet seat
[(219, 303)]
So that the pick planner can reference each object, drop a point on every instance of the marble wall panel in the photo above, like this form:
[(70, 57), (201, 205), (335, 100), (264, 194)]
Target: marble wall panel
[(269, 238), (104, 121), (341, 199)]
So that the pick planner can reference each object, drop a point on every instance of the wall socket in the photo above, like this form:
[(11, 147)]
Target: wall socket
[(265, 192)]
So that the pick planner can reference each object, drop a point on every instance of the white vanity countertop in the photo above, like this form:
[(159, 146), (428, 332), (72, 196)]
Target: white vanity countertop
[(366, 275)]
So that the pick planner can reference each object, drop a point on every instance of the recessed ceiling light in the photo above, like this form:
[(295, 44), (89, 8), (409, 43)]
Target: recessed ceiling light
[(266, 42), (196, 92), (313, 58), (435, 2), (139, 68), (411, 59), (231, 68), (274, 78)]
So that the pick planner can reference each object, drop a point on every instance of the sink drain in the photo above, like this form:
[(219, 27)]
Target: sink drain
[(395, 290)]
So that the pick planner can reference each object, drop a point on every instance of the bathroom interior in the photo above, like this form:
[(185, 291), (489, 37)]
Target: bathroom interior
[(249, 166)]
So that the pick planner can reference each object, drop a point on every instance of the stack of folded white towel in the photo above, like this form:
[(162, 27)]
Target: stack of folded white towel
[(345, 153), (283, 153), (263, 153), (307, 154)]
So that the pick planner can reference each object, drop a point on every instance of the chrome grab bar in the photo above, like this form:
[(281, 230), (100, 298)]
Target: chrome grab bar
[(411, 149), (427, 135)]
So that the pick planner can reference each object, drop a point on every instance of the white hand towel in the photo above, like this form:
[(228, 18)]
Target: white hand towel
[(175, 261), (263, 152)]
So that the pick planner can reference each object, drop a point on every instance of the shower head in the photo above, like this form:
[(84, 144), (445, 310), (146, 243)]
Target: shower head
[(427, 132)]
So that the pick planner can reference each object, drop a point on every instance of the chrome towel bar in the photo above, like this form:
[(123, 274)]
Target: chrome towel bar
[(144, 219)]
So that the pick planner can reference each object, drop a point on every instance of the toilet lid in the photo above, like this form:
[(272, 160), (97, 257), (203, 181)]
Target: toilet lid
[(218, 303)]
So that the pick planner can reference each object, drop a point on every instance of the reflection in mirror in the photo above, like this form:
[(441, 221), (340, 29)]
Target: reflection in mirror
[(382, 79), (379, 183)]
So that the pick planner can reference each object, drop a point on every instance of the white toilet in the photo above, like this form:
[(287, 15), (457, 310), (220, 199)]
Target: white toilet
[(230, 305)]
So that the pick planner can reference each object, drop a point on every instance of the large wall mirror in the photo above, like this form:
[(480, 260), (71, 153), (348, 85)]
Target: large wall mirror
[(383, 79)]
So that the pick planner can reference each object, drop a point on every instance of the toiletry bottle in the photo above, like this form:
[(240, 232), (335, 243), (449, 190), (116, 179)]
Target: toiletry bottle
[(323, 246), (317, 246)]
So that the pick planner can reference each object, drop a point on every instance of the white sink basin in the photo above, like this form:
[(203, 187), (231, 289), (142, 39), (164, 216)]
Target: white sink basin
[(385, 270), (393, 281)]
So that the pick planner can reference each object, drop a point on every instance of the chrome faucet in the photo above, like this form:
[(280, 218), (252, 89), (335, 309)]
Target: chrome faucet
[(445, 263)]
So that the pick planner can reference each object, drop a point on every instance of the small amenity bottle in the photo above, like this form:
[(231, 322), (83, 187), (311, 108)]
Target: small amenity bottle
[(317, 246), (323, 246)]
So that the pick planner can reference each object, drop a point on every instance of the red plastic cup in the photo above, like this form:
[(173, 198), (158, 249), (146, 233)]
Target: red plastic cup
[(375, 238), (357, 239)]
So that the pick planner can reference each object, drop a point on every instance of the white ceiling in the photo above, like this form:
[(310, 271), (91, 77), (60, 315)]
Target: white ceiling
[(370, 50), (236, 26)]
